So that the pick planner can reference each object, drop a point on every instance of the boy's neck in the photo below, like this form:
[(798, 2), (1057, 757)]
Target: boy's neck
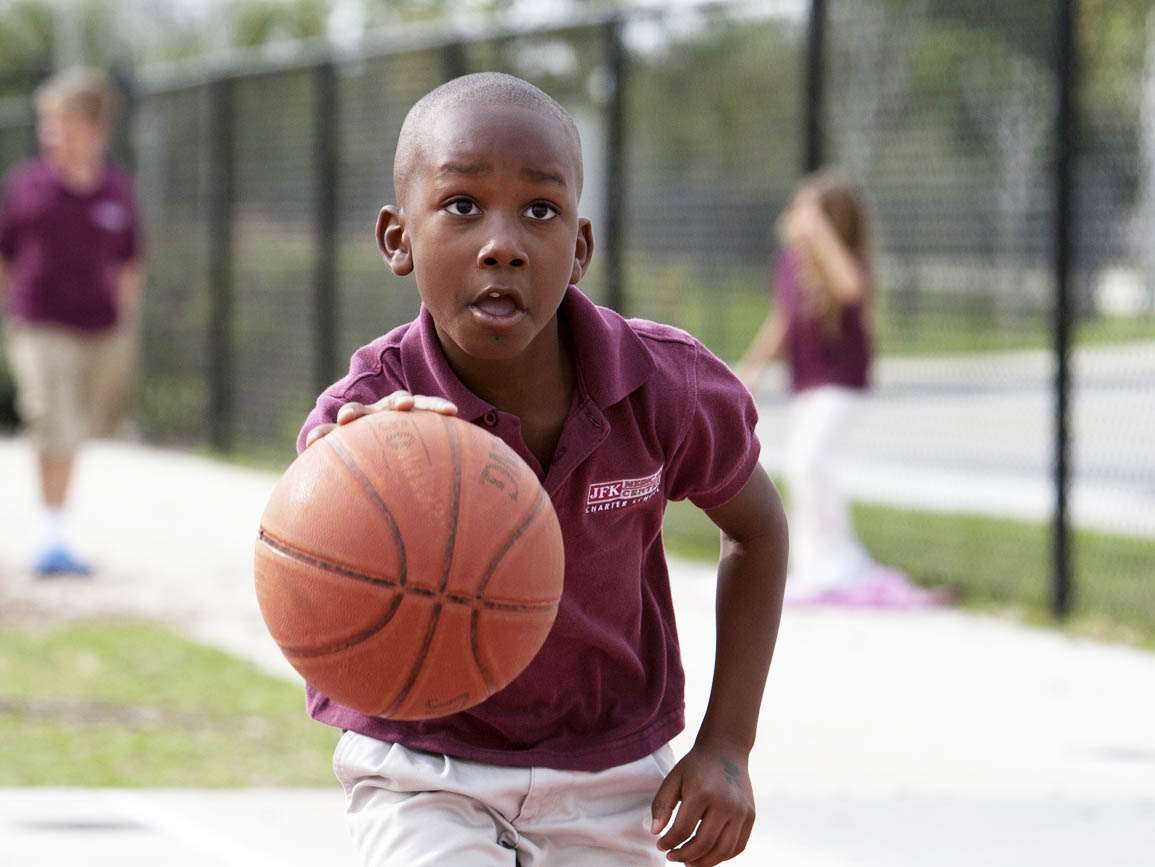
[(532, 385)]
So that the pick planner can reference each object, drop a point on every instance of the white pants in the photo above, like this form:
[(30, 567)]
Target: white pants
[(825, 553), (408, 808)]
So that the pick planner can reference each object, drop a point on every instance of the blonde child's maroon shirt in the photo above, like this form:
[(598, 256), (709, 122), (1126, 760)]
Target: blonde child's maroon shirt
[(655, 417), (61, 246)]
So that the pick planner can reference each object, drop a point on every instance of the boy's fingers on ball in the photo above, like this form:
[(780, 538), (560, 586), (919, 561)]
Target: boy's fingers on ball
[(434, 404), (350, 412), (317, 432), (399, 399)]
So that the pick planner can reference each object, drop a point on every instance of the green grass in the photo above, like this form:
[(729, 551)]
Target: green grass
[(130, 704), (994, 564), (947, 337)]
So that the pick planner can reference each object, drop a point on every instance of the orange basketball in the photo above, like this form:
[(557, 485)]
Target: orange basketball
[(409, 564)]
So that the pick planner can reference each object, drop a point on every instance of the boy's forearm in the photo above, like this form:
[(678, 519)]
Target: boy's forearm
[(749, 606), (751, 582)]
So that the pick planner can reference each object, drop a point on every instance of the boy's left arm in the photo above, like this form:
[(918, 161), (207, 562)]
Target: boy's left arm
[(712, 782)]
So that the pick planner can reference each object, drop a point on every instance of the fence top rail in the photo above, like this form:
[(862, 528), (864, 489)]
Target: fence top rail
[(289, 55)]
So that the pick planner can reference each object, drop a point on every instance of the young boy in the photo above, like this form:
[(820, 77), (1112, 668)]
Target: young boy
[(70, 276), (569, 764)]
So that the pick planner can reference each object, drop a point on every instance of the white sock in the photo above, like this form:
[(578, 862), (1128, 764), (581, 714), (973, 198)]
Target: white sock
[(52, 528)]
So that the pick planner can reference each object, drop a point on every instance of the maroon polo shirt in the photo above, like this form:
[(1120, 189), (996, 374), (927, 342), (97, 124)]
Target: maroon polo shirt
[(815, 356), (60, 246), (655, 417)]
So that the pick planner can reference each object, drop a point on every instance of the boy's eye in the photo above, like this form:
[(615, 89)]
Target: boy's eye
[(541, 211), (462, 208)]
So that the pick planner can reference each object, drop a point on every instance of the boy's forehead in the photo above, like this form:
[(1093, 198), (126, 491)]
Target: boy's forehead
[(486, 133)]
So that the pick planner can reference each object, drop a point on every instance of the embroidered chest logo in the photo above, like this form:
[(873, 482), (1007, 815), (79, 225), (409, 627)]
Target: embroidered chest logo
[(624, 492), (110, 216)]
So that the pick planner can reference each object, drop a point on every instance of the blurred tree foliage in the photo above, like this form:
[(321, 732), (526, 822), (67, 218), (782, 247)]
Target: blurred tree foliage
[(719, 129), (26, 38)]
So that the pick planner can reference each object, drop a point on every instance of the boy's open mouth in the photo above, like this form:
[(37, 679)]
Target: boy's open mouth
[(497, 305)]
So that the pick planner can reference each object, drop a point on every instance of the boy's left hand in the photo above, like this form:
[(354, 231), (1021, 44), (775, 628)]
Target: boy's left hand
[(712, 783)]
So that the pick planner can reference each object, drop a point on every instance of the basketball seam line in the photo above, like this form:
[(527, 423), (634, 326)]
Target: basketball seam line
[(476, 602), (352, 641), (474, 638), (367, 486), (450, 543)]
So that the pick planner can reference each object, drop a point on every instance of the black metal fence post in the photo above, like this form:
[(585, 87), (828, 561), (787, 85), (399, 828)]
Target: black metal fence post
[(123, 143), (325, 296), (813, 96), (220, 230), (1064, 257), (615, 192), (453, 60)]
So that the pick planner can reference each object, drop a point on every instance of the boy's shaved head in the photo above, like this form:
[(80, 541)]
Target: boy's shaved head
[(481, 88)]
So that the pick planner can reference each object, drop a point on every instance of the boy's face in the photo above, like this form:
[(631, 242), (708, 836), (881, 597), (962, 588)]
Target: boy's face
[(69, 138), (489, 224)]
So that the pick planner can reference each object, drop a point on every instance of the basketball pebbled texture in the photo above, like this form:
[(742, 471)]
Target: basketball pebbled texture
[(409, 565)]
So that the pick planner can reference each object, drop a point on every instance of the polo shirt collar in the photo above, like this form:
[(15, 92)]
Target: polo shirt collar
[(610, 359), (427, 370)]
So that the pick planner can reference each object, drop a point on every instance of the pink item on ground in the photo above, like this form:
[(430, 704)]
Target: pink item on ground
[(877, 587)]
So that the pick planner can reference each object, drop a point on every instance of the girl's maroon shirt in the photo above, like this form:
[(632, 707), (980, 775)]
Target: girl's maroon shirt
[(816, 357)]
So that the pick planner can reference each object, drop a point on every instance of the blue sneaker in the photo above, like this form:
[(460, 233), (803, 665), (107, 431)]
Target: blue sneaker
[(57, 561)]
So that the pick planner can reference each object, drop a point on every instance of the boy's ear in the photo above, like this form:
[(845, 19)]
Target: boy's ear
[(583, 250), (393, 240)]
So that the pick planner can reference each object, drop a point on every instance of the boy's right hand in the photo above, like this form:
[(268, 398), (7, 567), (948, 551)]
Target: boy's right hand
[(398, 401)]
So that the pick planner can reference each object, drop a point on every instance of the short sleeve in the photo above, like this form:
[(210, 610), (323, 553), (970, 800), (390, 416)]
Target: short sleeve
[(369, 379), (718, 449)]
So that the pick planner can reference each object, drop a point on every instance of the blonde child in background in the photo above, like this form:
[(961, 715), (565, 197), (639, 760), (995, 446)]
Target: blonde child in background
[(70, 283)]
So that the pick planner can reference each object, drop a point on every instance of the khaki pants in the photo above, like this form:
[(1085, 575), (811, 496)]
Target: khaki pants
[(408, 808), (70, 385)]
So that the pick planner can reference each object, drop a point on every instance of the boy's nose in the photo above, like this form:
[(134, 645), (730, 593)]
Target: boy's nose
[(503, 248)]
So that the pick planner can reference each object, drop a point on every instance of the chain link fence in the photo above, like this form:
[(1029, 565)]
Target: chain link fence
[(261, 184)]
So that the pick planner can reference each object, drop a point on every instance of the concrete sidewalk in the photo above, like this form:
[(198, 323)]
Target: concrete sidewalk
[(888, 739)]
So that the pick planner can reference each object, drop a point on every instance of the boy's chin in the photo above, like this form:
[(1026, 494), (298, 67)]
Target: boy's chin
[(496, 350)]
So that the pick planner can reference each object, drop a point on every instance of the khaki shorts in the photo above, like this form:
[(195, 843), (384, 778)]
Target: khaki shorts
[(70, 385), (408, 808)]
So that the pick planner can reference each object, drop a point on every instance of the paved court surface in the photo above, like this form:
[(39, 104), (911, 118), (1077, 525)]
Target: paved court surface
[(887, 739)]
